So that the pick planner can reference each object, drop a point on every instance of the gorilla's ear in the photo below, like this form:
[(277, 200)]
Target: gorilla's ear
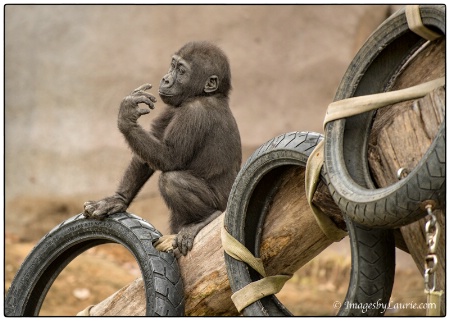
[(212, 84)]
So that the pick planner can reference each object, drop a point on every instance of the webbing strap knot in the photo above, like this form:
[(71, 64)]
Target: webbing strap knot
[(258, 290), (254, 291)]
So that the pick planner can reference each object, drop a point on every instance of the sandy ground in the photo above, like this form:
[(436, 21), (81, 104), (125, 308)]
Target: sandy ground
[(313, 291)]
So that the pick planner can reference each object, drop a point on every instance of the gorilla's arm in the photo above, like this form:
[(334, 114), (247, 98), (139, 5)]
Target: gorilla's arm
[(138, 171), (132, 181), (134, 178), (186, 133)]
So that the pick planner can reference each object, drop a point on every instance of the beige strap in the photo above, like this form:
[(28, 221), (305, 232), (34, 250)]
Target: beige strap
[(254, 291), (258, 290), (312, 178), (236, 250), (433, 303), (86, 312), (357, 105), (415, 24), (164, 243)]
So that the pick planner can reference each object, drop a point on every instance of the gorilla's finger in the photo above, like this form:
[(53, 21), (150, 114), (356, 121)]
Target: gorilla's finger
[(143, 112), (177, 253), (87, 203), (175, 242), (102, 207), (144, 100), (183, 249), (146, 94), (99, 217), (142, 88), (89, 209), (97, 213), (189, 243)]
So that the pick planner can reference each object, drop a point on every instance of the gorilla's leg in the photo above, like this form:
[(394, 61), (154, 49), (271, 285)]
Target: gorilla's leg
[(193, 204)]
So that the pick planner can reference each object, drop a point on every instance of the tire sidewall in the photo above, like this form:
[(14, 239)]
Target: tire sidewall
[(74, 236), (347, 169)]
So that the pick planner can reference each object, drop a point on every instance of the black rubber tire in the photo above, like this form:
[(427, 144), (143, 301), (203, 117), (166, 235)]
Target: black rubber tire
[(373, 250), (160, 272), (347, 173)]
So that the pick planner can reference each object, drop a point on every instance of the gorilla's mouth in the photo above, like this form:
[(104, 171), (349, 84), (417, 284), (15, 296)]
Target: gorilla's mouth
[(164, 94)]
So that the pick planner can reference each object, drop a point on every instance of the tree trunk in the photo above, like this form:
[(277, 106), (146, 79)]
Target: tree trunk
[(400, 136)]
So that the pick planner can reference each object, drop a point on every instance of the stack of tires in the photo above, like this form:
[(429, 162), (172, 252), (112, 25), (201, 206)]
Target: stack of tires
[(370, 213)]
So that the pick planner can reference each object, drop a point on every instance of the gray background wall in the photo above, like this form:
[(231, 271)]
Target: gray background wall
[(67, 67)]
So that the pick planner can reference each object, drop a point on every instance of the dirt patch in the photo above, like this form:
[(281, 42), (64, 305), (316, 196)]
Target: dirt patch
[(87, 280)]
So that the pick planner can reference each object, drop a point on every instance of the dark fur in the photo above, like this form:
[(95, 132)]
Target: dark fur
[(194, 142)]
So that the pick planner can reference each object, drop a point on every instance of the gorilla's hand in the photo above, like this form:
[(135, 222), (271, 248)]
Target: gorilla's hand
[(100, 209), (129, 111)]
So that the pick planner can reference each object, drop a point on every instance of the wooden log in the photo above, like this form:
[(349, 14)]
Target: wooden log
[(287, 245), (401, 134), (290, 240)]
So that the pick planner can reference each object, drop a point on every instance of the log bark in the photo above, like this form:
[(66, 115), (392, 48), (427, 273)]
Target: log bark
[(401, 134), (291, 236)]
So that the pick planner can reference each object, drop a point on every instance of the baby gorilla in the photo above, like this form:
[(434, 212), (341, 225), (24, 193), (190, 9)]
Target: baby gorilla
[(194, 142)]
